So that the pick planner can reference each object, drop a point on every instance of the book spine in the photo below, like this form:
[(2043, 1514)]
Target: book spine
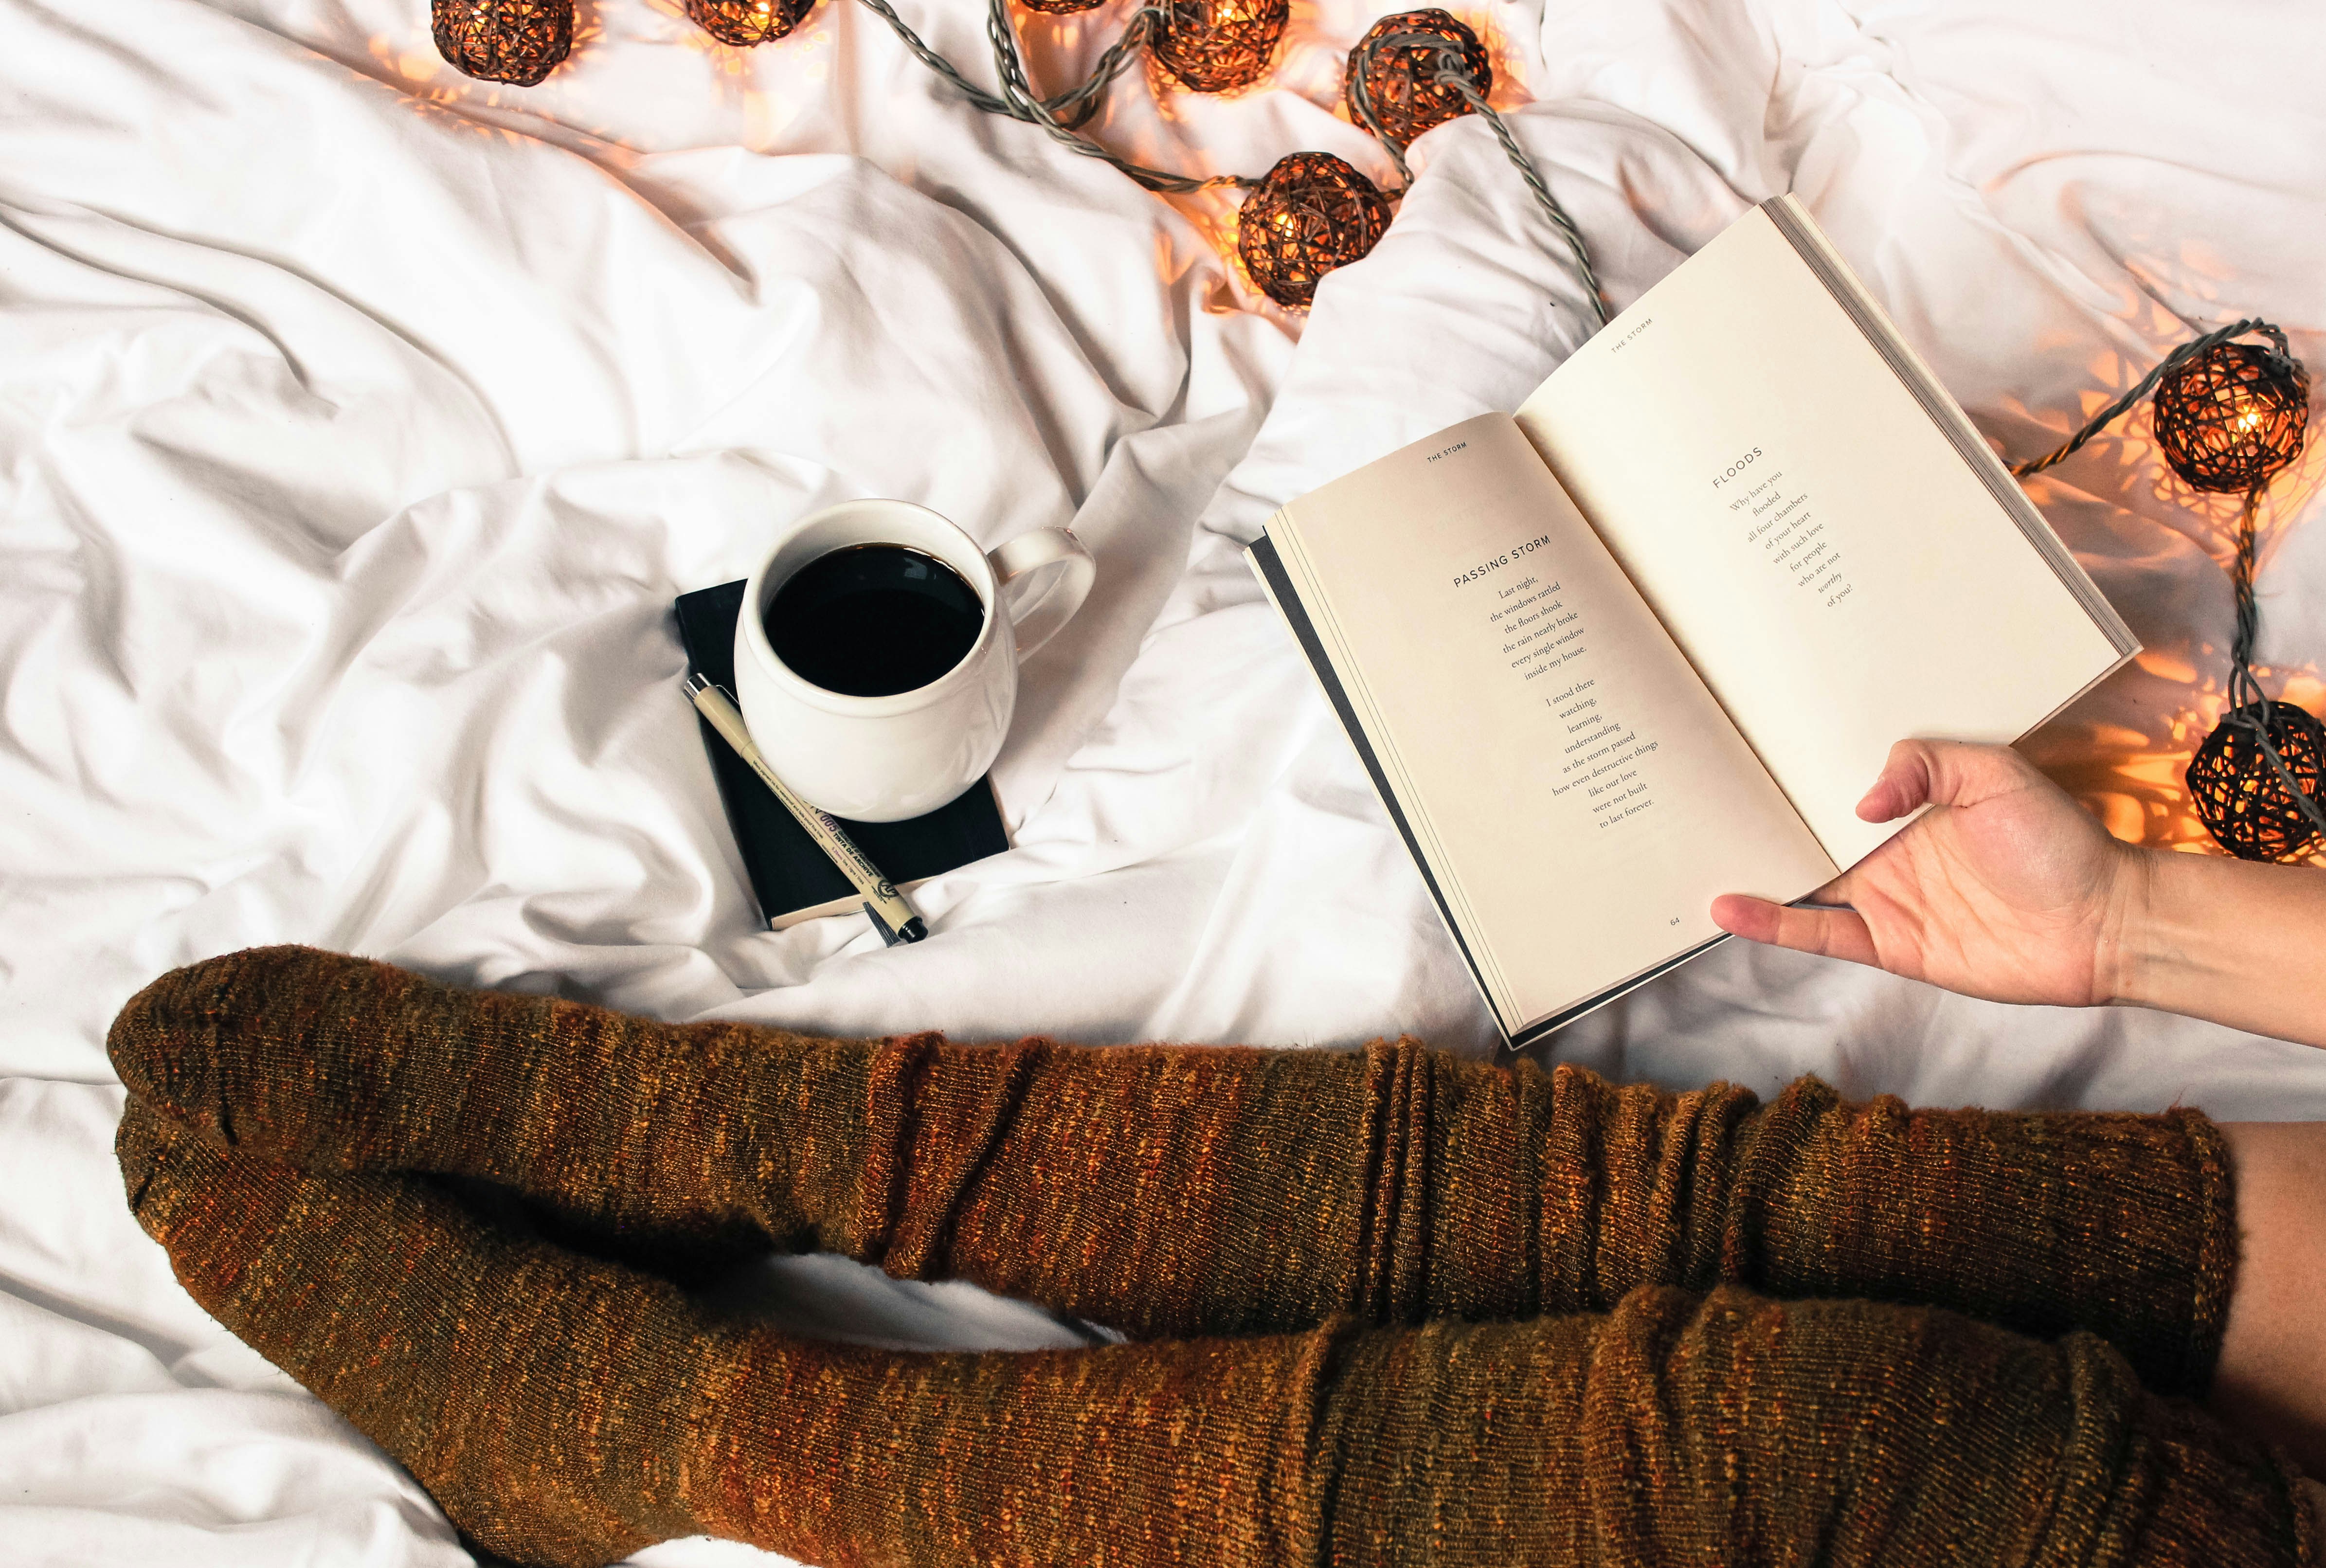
[(1266, 566)]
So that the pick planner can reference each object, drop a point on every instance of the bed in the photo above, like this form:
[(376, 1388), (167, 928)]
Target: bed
[(361, 421)]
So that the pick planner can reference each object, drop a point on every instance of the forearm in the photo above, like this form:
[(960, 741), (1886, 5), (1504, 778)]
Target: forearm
[(2223, 940)]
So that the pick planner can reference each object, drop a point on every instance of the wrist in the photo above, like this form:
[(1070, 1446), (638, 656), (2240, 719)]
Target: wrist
[(2217, 939), (2168, 949), (2123, 960)]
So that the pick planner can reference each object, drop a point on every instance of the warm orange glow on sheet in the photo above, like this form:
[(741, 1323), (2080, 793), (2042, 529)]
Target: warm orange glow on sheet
[(2158, 546)]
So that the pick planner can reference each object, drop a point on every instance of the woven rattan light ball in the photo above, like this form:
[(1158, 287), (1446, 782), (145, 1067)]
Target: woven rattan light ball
[(2233, 415), (2239, 795), (1393, 73), (1215, 46), (1061, 7), (747, 22), (1313, 212), (510, 41)]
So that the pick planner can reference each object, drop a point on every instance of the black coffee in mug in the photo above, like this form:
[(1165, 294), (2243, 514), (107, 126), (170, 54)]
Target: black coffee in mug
[(872, 620)]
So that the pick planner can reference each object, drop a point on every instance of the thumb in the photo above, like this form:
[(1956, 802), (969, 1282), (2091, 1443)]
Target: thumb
[(1941, 773), (1839, 934)]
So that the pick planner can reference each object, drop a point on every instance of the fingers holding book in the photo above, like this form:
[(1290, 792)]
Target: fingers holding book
[(1833, 931), (2003, 887)]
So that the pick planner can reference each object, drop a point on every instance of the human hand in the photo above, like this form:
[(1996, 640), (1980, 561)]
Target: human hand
[(2004, 889)]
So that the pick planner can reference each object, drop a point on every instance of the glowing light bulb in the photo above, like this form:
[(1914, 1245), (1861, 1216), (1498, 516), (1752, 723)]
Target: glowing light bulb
[(2229, 417), (1219, 45), (1402, 86), (744, 22), (1313, 212)]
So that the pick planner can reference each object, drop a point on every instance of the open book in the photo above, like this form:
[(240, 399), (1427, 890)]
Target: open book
[(1649, 640)]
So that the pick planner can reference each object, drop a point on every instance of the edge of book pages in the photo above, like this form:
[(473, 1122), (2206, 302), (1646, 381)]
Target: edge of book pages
[(1793, 222)]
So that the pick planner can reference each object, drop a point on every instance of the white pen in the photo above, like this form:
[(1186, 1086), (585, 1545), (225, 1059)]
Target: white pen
[(892, 917)]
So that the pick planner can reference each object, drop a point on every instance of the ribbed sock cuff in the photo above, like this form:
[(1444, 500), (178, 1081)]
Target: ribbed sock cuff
[(2121, 1224)]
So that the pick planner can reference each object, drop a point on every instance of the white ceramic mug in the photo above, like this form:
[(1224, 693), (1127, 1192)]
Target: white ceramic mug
[(881, 760)]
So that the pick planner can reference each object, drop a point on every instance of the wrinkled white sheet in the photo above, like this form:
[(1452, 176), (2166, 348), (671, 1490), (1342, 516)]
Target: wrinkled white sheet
[(360, 422)]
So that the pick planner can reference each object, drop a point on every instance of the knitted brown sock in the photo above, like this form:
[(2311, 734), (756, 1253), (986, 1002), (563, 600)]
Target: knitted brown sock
[(663, 1144), (1207, 1189), (566, 1411)]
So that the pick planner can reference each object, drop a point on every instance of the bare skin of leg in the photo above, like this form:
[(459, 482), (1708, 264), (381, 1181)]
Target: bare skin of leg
[(2270, 1382)]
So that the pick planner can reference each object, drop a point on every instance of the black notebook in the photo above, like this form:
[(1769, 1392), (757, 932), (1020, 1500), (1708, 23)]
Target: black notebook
[(791, 878)]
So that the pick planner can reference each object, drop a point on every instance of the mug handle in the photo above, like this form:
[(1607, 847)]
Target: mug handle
[(1014, 565)]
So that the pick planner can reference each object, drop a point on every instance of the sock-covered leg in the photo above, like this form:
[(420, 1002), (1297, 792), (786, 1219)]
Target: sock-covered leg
[(1180, 1191), (566, 1411), (2122, 1224), (1195, 1189)]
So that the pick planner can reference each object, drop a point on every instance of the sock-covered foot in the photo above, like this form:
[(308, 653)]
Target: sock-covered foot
[(570, 1412), (564, 1410), (1203, 1190), (662, 1139)]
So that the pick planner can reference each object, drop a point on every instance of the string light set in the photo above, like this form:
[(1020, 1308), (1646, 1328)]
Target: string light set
[(1311, 213), (1415, 70), (2229, 417)]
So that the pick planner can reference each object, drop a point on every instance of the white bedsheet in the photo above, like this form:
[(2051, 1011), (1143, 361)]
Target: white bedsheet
[(360, 422)]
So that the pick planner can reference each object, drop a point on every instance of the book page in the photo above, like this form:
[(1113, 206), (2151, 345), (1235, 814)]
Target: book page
[(1826, 552), (1576, 794)]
